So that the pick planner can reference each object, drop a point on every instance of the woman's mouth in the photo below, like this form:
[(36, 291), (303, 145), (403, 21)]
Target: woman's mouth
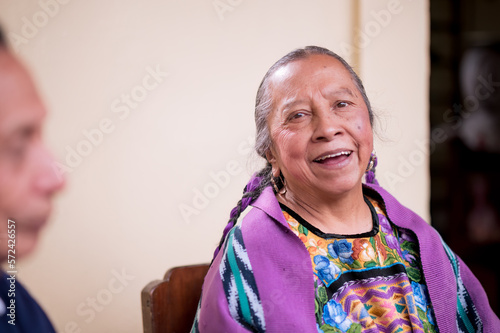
[(335, 157)]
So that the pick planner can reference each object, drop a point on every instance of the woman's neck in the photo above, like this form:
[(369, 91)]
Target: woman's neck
[(346, 214)]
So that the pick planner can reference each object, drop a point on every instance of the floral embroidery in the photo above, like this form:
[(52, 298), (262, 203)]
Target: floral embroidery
[(363, 250), (326, 269), (291, 221), (341, 249), (419, 292), (335, 316), (316, 246), (392, 298), (381, 250)]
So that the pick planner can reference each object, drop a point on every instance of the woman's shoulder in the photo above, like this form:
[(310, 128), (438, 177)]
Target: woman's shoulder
[(258, 228), (263, 216)]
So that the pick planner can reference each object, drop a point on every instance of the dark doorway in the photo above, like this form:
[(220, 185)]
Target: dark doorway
[(465, 106)]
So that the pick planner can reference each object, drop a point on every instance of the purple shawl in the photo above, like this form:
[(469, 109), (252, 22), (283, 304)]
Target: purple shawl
[(283, 273)]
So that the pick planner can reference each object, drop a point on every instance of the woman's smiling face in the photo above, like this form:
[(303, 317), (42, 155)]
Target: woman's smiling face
[(320, 127)]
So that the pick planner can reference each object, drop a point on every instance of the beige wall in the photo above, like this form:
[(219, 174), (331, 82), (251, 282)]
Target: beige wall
[(395, 71), (120, 214)]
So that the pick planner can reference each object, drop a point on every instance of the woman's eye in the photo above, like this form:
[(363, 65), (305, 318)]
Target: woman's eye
[(342, 104), (297, 115)]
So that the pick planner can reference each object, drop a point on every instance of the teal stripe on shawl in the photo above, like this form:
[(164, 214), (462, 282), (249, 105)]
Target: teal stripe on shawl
[(243, 300), (462, 314)]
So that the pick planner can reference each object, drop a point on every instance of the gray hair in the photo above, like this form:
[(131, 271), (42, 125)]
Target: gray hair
[(263, 102)]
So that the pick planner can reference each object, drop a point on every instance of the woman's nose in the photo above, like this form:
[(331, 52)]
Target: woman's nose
[(326, 126)]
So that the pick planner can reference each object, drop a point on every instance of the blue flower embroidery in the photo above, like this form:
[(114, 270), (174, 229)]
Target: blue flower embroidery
[(406, 255), (326, 269), (419, 293), (341, 249), (335, 316)]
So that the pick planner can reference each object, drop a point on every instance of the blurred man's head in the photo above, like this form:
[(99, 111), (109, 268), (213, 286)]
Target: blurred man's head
[(28, 180)]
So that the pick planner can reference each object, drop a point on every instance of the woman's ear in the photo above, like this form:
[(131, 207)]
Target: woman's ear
[(270, 156)]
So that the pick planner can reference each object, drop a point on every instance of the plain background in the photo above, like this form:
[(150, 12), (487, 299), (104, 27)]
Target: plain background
[(186, 143)]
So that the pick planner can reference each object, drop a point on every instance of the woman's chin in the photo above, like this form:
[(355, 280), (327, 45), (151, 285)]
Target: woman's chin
[(340, 188)]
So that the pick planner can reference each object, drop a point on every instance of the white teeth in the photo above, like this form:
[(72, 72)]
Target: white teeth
[(347, 153)]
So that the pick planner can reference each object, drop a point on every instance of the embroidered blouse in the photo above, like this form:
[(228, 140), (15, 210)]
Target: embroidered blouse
[(369, 282)]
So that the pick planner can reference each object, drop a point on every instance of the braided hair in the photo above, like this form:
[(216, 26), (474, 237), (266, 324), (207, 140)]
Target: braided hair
[(263, 105), (251, 192)]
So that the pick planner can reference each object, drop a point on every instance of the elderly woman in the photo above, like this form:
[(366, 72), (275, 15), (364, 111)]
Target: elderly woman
[(309, 247)]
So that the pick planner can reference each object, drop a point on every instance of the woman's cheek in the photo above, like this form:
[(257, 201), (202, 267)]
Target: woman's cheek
[(285, 139)]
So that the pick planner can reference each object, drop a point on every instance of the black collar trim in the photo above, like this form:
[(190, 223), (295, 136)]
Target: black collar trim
[(324, 235)]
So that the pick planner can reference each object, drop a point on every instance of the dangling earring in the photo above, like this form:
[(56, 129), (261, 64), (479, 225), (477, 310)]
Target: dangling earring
[(274, 184), (373, 161), (283, 188), (277, 189), (370, 169)]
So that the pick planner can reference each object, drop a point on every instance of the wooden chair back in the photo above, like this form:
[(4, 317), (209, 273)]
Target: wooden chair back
[(169, 305)]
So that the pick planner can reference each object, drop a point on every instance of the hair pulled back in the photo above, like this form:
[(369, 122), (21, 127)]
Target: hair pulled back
[(263, 142)]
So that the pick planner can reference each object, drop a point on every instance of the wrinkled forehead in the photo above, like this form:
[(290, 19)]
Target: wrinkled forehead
[(315, 71), (20, 105)]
